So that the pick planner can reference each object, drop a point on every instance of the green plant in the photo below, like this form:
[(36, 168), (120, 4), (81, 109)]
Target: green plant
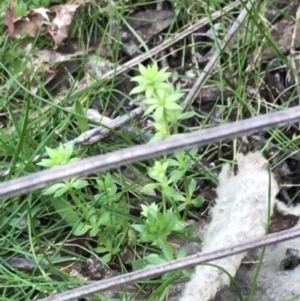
[(57, 157), (91, 214), (157, 227), (161, 99), (169, 174)]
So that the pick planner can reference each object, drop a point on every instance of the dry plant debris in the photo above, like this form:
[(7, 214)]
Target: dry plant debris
[(278, 277), (239, 215), (59, 27), (31, 24), (39, 21)]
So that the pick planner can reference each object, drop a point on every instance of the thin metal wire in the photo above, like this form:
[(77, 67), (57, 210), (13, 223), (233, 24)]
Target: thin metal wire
[(133, 154), (173, 266)]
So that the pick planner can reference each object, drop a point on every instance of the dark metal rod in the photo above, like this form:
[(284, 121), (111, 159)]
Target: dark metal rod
[(174, 265), (133, 154)]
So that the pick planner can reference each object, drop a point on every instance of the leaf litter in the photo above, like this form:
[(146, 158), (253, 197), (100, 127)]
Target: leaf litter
[(46, 64)]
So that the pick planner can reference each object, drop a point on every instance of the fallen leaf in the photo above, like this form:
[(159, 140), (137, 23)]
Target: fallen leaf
[(32, 23), (9, 20), (146, 24), (59, 26), (44, 65)]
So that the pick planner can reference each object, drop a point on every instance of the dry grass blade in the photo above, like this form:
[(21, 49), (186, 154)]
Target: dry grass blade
[(193, 94), (146, 151), (173, 266)]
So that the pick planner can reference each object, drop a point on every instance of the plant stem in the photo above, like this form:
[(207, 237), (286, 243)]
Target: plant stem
[(81, 207), (188, 197)]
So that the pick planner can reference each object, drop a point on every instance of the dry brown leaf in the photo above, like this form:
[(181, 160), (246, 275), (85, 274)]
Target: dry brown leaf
[(43, 65), (59, 26), (9, 20), (146, 25), (32, 23)]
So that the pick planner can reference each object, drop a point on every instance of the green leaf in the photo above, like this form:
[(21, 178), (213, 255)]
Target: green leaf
[(162, 75), (82, 121), (186, 115), (73, 160), (45, 163), (181, 207), (139, 264), (198, 201), (21, 9), (60, 192), (106, 258), (52, 189), (182, 253), (150, 187), (51, 152), (94, 231), (145, 208), (162, 86), (174, 97), (167, 251), (172, 106), (150, 101), (177, 196), (193, 152), (176, 175), (179, 226), (192, 187), (108, 180), (79, 184), (137, 90), (138, 79), (101, 185), (65, 210), (154, 259), (172, 162), (100, 250), (59, 156), (65, 152), (149, 92), (149, 110), (81, 229), (158, 115), (104, 218), (142, 69), (139, 228), (152, 213), (157, 137)]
